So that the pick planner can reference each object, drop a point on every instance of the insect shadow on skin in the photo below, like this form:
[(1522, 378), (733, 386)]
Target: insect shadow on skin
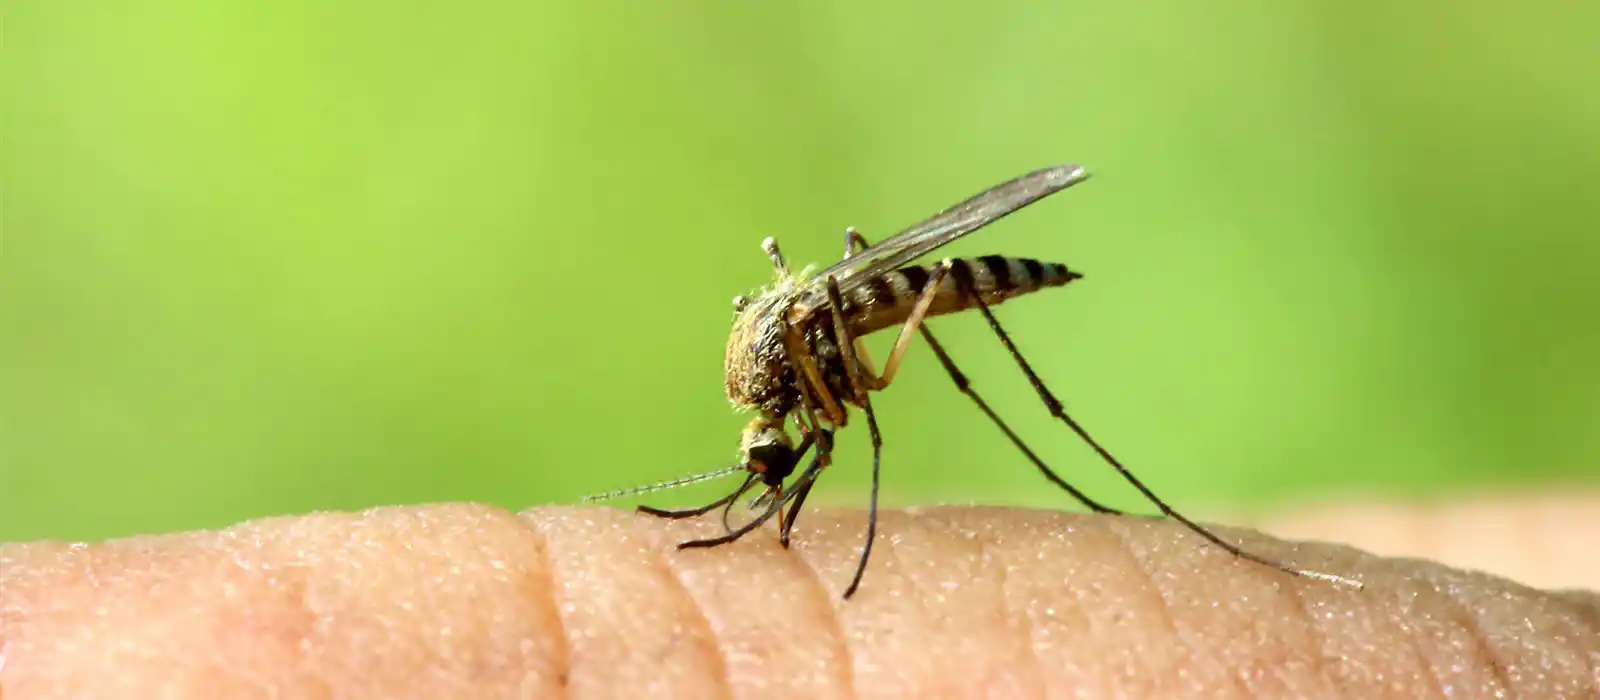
[(795, 356)]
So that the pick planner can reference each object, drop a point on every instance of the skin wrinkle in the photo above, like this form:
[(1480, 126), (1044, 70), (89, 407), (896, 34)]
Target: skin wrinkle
[(724, 680), (632, 619), (1590, 669), (1417, 636), (1583, 624), (1585, 606), (1286, 591), (834, 614), (990, 559), (887, 548), (1269, 675), (251, 557), (772, 613), (1574, 633), (7, 617), (910, 588), (116, 567), (1162, 607), (1133, 673), (1087, 622), (1398, 615), (1426, 665), (300, 597), (769, 613), (985, 563), (1318, 670), (1319, 642), (542, 544), (1469, 622), (1430, 639), (1521, 658), (1413, 637)]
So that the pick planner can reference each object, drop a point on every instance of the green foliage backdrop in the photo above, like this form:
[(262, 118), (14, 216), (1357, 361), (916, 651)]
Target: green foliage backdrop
[(264, 258)]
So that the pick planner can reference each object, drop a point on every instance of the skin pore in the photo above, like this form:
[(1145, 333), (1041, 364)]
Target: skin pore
[(461, 600)]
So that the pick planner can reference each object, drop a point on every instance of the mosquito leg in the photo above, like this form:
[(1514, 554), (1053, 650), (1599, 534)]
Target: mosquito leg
[(702, 510), (1056, 409), (727, 513), (965, 387), (800, 493), (785, 526), (858, 387), (807, 477), (872, 503), (825, 450), (902, 342), (734, 535), (825, 457), (774, 482), (810, 376), (854, 242)]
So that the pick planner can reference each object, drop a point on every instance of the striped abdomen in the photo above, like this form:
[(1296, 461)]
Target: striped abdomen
[(888, 299)]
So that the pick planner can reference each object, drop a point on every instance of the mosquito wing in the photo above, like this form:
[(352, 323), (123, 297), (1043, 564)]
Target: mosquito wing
[(976, 212)]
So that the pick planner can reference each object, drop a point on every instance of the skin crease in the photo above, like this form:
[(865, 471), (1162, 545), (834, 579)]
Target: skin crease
[(467, 601)]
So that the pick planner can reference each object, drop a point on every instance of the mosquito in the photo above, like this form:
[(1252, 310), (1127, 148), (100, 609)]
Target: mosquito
[(796, 355)]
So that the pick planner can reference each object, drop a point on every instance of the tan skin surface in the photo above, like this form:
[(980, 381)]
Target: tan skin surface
[(465, 601)]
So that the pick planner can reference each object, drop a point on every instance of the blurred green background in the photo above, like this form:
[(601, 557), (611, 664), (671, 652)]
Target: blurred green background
[(264, 258)]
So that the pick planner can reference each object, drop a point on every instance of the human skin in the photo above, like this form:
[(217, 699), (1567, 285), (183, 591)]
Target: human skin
[(467, 601)]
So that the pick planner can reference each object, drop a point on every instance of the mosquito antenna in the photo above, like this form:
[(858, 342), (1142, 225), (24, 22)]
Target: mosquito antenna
[(675, 483)]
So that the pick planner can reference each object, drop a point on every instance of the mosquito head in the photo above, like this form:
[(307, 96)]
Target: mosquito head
[(739, 302), (766, 450)]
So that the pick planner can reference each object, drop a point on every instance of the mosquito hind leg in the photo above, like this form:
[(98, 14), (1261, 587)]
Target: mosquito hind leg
[(965, 387), (854, 241), (1058, 411)]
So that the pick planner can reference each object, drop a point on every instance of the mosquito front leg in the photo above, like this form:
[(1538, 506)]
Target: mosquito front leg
[(702, 510), (804, 482), (801, 492), (862, 395), (810, 376), (773, 478)]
